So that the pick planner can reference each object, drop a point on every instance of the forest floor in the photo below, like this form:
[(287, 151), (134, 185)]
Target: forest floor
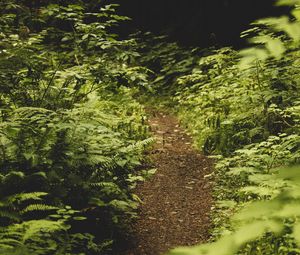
[(177, 200)]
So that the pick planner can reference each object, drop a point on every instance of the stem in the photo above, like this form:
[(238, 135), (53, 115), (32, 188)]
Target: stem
[(51, 81)]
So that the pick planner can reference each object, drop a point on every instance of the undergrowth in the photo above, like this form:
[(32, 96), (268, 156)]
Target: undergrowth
[(71, 133), (242, 107)]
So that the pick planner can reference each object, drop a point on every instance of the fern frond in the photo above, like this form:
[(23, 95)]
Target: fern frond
[(11, 232), (109, 164), (4, 248), (9, 242), (21, 197), (138, 146), (9, 215), (32, 113), (107, 187), (20, 233), (36, 227), (38, 207)]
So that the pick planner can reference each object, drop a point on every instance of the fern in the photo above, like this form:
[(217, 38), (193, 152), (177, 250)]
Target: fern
[(4, 213), (243, 105), (38, 207), (37, 196), (71, 129)]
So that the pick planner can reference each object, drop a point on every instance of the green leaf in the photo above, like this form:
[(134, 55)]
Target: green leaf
[(275, 47), (79, 218), (296, 233)]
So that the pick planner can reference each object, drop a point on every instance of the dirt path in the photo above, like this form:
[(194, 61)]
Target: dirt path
[(177, 200)]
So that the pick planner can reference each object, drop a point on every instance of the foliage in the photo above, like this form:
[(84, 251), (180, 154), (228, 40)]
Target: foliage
[(71, 133), (245, 106), (166, 60)]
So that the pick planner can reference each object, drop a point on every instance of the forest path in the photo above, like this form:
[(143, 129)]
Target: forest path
[(177, 199)]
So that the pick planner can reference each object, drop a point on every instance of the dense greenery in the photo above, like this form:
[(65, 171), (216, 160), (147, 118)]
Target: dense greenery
[(71, 134), (244, 107)]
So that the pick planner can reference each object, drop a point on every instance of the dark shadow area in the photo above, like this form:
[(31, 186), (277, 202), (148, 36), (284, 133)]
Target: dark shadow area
[(195, 22)]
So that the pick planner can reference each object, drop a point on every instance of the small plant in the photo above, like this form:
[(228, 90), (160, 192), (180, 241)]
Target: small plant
[(243, 107), (70, 127)]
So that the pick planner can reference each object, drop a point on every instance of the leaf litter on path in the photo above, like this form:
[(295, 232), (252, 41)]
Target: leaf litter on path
[(177, 200)]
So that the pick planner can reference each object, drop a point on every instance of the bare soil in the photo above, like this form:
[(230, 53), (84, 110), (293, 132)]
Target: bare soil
[(177, 200)]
